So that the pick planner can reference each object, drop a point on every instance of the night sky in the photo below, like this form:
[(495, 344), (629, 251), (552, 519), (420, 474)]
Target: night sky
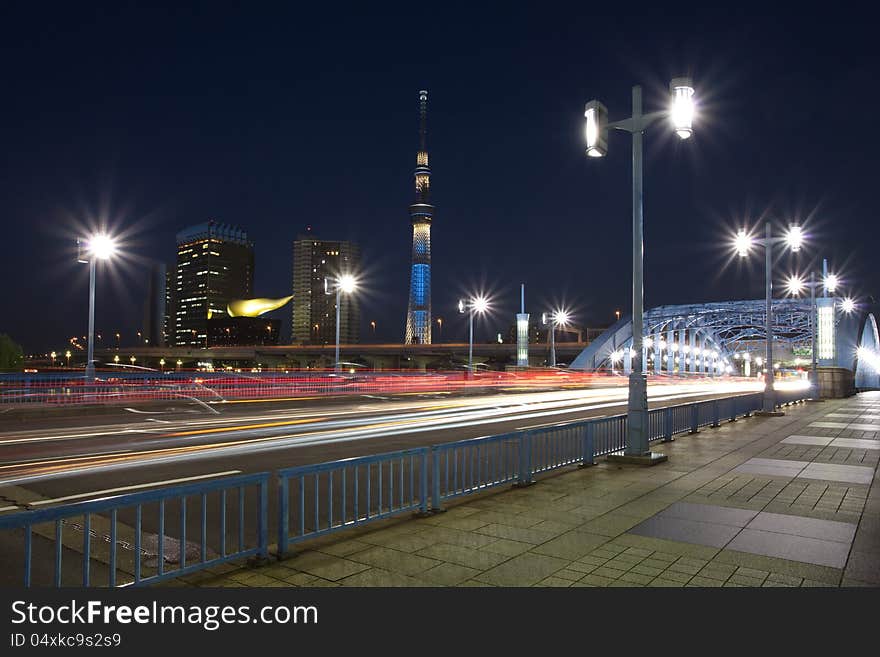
[(148, 120)]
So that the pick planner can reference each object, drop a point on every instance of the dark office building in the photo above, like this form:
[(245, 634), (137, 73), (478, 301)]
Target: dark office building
[(215, 263), (154, 307), (170, 294), (228, 331), (314, 311)]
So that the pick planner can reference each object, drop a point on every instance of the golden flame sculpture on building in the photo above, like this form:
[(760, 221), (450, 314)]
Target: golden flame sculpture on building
[(254, 307)]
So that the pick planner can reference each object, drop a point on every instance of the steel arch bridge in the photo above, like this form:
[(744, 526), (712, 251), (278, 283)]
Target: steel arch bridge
[(728, 336)]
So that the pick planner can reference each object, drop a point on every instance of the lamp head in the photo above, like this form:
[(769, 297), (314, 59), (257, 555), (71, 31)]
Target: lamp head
[(101, 246), (794, 238), (682, 97), (596, 117)]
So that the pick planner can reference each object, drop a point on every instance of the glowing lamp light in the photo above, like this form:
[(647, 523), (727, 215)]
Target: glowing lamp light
[(682, 113), (662, 344), (480, 304), (101, 246), (847, 305), (831, 282), (795, 285), (648, 343), (743, 243), (347, 283), (596, 129), (560, 317), (794, 238)]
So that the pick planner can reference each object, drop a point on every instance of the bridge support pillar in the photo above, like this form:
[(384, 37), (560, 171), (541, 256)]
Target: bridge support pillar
[(670, 353), (681, 355)]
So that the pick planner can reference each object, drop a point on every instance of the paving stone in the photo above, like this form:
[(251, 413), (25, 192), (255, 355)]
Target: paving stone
[(380, 577), (636, 578), (676, 576), (344, 548), (864, 566), (791, 548), (642, 569), (449, 574), (463, 556), (507, 547), (605, 571), (594, 580), (534, 536), (393, 560), (572, 545), (569, 574), (523, 570), (555, 582), (326, 566), (663, 582), (705, 582), (746, 581)]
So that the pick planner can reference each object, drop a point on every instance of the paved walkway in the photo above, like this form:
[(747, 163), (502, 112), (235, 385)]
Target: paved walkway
[(790, 501)]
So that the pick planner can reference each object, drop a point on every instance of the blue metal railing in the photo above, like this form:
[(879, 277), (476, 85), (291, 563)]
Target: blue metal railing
[(315, 500), (354, 491), (133, 568)]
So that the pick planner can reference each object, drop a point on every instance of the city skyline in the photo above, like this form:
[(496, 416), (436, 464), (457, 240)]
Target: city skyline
[(521, 203)]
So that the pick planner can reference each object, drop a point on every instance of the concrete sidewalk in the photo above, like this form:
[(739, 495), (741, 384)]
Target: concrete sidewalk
[(789, 501)]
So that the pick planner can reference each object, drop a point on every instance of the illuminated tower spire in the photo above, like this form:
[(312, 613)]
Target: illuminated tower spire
[(421, 212)]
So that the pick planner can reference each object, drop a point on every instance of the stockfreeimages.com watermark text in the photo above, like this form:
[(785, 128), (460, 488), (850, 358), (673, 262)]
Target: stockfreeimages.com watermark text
[(209, 617)]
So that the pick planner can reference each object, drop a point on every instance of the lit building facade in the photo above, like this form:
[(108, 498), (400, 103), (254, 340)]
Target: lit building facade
[(215, 264), (313, 316), (418, 314)]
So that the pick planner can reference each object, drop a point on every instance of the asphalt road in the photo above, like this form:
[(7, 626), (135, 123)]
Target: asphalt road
[(77, 457)]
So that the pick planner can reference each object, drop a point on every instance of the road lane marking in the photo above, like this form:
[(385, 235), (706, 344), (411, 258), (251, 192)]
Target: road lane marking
[(107, 491), (198, 432)]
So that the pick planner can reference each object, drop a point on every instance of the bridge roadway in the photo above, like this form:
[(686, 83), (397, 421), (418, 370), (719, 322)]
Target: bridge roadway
[(86, 456)]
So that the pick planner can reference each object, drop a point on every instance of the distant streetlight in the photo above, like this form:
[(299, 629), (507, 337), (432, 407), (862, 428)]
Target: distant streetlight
[(373, 326), (344, 283), (132, 359), (118, 340), (179, 363), (162, 364), (744, 243), (54, 355), (478, 304), (67, 354), (555, 318), (116, 358), (439, 328), (681, 113), (98, 247), (617, 314)]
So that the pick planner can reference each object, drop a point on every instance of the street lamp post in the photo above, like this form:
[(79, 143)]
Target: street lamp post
[(794, 238), (556, 318), (439, 328), (67, 355), (475, 305), (597, 126), (345, 283), (829, 283), (101, 247)]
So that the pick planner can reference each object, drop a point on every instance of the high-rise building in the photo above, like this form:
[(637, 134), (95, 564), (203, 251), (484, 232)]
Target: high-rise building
[(215, 264), (154, 308), (313, 318), (170, 294), (418, 314)]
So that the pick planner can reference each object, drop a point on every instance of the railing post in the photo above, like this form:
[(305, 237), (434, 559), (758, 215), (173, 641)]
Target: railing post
[(263, 527), (587, 450), (667, 422), (525, 459), (423, 483), (695, 418), (716, 422), (435, 479), (283, 514)]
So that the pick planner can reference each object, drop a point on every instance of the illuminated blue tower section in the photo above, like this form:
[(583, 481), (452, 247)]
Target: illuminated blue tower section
[(418, 314)]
